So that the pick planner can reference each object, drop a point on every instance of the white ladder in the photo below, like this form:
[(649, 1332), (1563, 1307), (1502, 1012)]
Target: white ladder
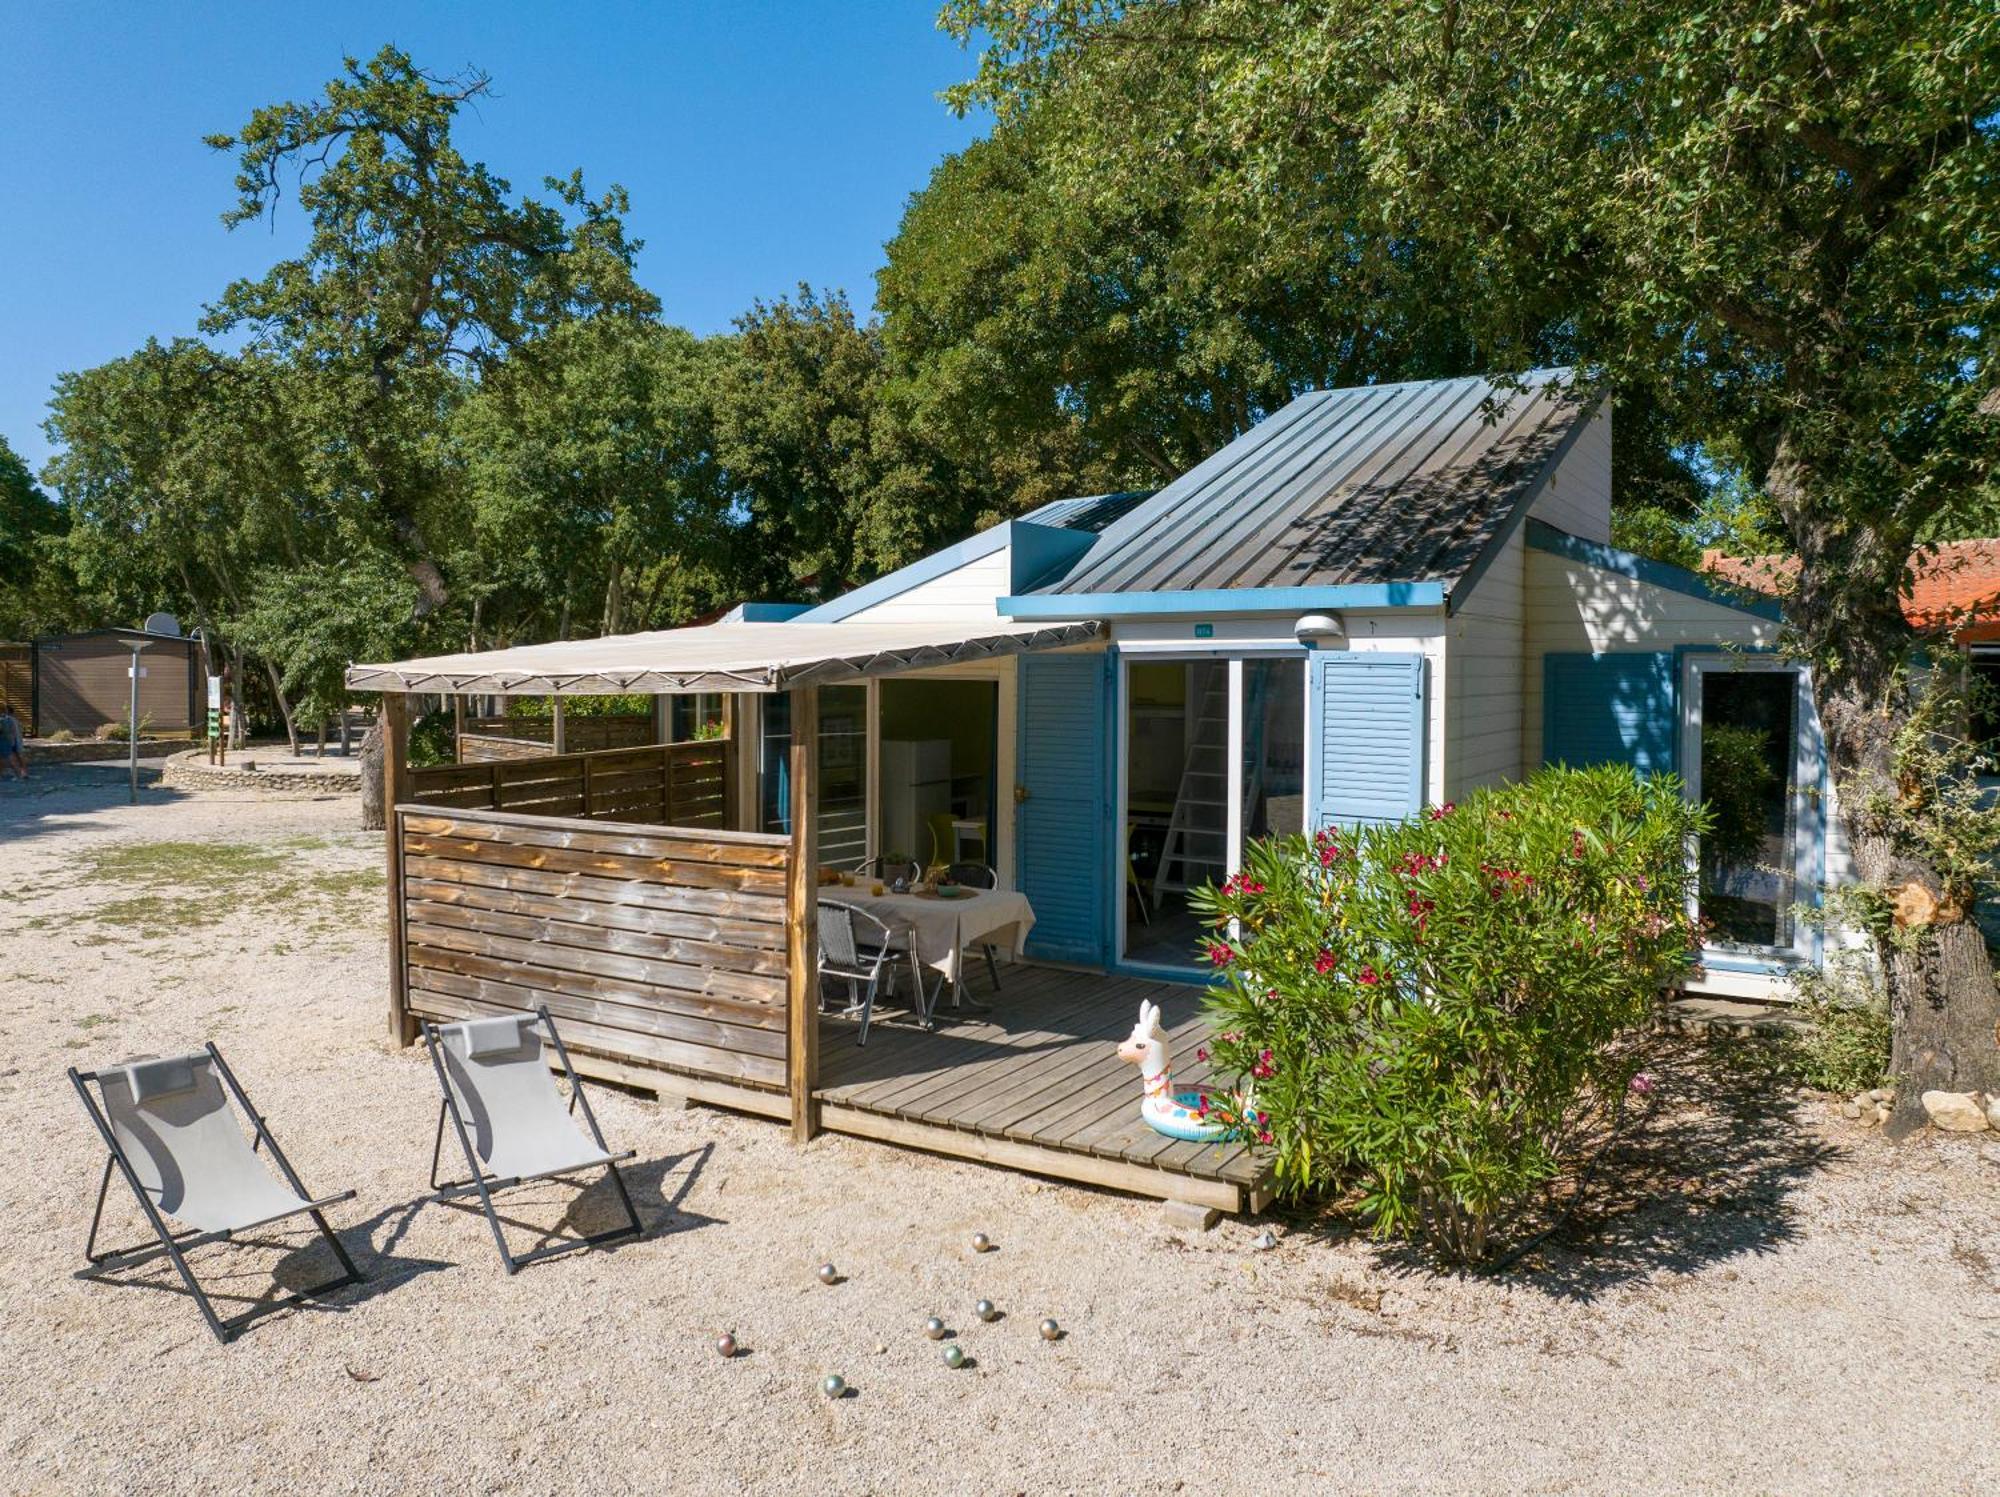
[(1197, 848)]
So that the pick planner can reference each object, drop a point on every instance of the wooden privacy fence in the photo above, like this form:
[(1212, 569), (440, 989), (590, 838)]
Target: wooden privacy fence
[(662, 946), (662, 784), (17, 683), (488, 738)]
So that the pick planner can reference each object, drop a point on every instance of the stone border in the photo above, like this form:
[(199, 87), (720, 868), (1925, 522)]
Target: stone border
[(40, 751), (192, 771)]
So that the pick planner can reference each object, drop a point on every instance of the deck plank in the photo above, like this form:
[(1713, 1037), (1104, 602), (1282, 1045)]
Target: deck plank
[(960, 1100), (1038, 1073), (1014, 1051)]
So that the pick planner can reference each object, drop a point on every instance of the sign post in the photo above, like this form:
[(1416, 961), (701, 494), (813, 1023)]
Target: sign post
[(135, 671), (218, 747)]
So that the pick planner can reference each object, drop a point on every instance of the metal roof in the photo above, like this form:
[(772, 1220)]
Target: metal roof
[(720, 657), (1371, 485), (1091, 512)]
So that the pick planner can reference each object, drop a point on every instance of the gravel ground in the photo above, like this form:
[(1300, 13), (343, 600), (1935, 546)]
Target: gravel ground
[(1765, 1298)]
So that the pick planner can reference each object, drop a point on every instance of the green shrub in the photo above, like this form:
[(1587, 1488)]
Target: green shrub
[(434, 739), (117, 732), (1845, 1045), (608, 706), (1431, 1008)]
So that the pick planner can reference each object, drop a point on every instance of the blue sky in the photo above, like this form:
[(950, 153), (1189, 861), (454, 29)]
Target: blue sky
[(762, 144)]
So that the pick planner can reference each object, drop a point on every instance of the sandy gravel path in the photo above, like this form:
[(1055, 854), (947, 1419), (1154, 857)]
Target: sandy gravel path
[(1780, 1305)]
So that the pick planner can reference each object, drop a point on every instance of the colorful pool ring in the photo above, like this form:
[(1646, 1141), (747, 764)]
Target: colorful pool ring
[(1177, 1114)]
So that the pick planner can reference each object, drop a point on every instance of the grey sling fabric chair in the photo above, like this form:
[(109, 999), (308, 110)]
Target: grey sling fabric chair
[(168, 1130), (501, 1099), (854, 948)]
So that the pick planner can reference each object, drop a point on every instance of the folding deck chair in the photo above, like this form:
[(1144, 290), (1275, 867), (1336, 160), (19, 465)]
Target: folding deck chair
[(502, 1101), (168, 1129)]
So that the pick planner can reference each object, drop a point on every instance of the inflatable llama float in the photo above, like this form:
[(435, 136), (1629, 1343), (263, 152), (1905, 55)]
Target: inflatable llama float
[(1195, 1113)]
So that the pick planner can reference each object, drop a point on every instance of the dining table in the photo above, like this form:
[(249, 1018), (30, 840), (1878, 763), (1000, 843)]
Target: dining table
[(938, 930)]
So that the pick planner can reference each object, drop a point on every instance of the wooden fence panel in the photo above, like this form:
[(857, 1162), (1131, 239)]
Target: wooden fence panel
[(488, 738), (659, 946), (658, 784), (17, 683)]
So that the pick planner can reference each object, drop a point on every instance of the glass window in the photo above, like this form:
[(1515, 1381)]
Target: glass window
[(694, 715), (842, 769), (1749, 749), (843, 776), (1274, 748), (774, 778)]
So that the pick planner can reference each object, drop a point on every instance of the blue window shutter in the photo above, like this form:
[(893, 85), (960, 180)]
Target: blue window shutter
[(1365, 715), (1065, 766), (1610, 709)]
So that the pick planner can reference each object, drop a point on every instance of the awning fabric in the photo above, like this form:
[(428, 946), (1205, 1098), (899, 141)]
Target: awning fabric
[(720, 657)]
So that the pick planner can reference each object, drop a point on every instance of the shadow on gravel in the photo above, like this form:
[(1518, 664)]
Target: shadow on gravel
[(658, 1187), (1707, 1176), (41, 805)]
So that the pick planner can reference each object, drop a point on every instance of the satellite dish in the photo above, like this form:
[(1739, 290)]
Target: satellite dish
[(162, 623)]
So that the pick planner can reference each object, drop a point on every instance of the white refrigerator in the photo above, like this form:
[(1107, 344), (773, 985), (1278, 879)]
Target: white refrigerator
[(916, 785)]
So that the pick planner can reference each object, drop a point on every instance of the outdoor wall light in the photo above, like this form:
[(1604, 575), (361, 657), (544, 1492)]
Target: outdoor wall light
[(1320, 629)]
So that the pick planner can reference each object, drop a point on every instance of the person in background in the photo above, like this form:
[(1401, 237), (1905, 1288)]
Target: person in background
[(10, 742)]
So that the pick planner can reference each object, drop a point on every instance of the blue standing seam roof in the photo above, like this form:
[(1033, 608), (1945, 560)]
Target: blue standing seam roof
[(1375, 484)]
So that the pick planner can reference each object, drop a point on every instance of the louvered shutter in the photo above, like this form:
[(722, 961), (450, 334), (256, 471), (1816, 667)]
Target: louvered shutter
[(1366, 718), (1065, 767)]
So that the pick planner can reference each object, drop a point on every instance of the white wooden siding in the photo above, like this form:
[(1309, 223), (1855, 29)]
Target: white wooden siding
[(1571, 605), (1483, 671), (968, 591), (1578, 496)]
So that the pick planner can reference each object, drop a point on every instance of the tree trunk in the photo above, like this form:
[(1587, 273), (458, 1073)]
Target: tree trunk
[(284, 709), (1845, 609), (372, 818), (234, 734)]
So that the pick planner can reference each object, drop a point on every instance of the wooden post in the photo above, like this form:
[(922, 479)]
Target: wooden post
[(457, 729), (558, 728), (802, 920), (396, 790)]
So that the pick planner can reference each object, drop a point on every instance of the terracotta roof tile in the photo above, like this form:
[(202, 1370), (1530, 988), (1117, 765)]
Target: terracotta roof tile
[(1953, 584)]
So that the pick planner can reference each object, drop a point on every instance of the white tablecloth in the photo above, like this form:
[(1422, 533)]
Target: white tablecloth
[(944, 928)]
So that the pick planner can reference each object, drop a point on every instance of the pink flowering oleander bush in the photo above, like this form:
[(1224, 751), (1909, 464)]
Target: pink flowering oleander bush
[(1430, 1011)]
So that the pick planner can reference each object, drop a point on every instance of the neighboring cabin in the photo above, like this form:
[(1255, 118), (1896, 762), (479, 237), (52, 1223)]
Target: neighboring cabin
[(79, 682)]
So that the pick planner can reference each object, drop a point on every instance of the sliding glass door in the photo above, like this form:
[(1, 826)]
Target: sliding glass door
[(1750, 748), (1212, 755)]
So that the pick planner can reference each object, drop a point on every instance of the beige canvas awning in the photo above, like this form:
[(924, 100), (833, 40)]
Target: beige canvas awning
[(720, 657)]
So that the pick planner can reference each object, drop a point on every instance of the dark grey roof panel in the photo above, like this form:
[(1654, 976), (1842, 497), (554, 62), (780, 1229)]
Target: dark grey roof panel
[(1381, 483), (1092, 512)]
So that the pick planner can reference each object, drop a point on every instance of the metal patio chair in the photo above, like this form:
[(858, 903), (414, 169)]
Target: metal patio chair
[(857, 948), (168, 1129), (978, 876), (501, 1099)]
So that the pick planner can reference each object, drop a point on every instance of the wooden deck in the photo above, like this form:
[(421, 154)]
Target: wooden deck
[(1035, 1085)]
